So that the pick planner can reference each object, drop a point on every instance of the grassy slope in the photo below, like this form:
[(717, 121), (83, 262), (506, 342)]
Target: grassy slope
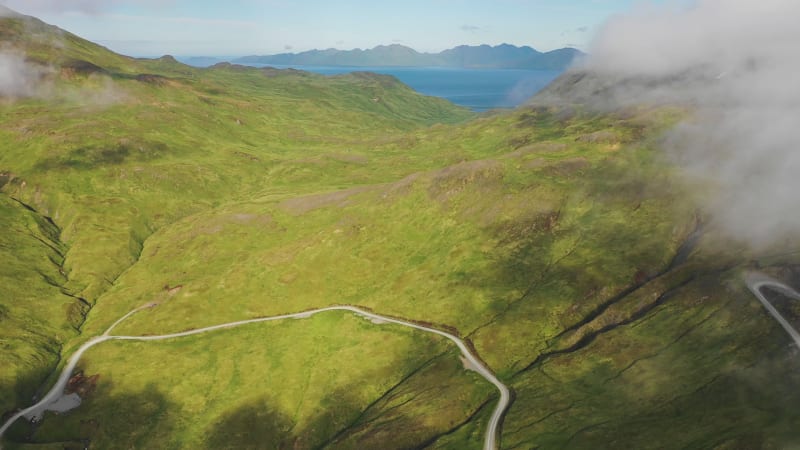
[(545, 237), (512, 250), (296, 382), (111, 155), (38, 315)]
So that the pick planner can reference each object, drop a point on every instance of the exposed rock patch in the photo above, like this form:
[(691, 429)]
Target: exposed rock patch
[(302, 205), (452, 180)]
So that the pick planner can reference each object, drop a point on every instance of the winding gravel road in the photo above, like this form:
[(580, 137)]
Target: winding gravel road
[(36, 411), (755, 281)]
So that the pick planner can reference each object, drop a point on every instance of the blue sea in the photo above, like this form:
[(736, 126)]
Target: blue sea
[(477, 89)]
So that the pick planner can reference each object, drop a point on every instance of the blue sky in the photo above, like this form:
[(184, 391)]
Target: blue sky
[(239, 27)]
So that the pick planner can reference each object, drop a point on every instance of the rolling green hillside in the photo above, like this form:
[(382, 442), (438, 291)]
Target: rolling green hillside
[(556, 241), (106, 152)]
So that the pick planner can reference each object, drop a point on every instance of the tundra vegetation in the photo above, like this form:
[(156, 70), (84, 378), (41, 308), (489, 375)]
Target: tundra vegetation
[(556, 240)]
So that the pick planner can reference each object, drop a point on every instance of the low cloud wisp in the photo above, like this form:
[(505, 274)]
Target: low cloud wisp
[(18, 78), (60, 6), (735, 61)]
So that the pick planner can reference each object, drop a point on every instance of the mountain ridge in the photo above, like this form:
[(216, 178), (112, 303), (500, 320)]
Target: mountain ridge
[(503, 56)]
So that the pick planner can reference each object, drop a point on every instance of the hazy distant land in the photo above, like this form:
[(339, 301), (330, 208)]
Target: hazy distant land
[(504, 56)]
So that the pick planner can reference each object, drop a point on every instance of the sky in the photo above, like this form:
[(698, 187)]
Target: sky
[(245, 27)]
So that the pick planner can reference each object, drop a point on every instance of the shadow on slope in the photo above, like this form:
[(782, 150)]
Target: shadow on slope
[(705, 360), (418, 411), (140, 419), (254, 425)]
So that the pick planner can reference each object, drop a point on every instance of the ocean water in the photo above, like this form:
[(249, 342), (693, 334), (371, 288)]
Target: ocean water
[(477, 89)]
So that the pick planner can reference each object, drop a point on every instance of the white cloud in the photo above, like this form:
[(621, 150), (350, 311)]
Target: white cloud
[(18, 78), (60, 6), (736, 60)]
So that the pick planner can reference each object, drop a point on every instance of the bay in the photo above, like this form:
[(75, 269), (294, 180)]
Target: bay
[(477, 89)]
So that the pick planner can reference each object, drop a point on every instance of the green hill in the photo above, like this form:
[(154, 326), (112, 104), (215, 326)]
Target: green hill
[(107, 149), (555, 240)]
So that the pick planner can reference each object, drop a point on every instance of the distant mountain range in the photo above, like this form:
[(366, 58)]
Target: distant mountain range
[(503, 56)]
